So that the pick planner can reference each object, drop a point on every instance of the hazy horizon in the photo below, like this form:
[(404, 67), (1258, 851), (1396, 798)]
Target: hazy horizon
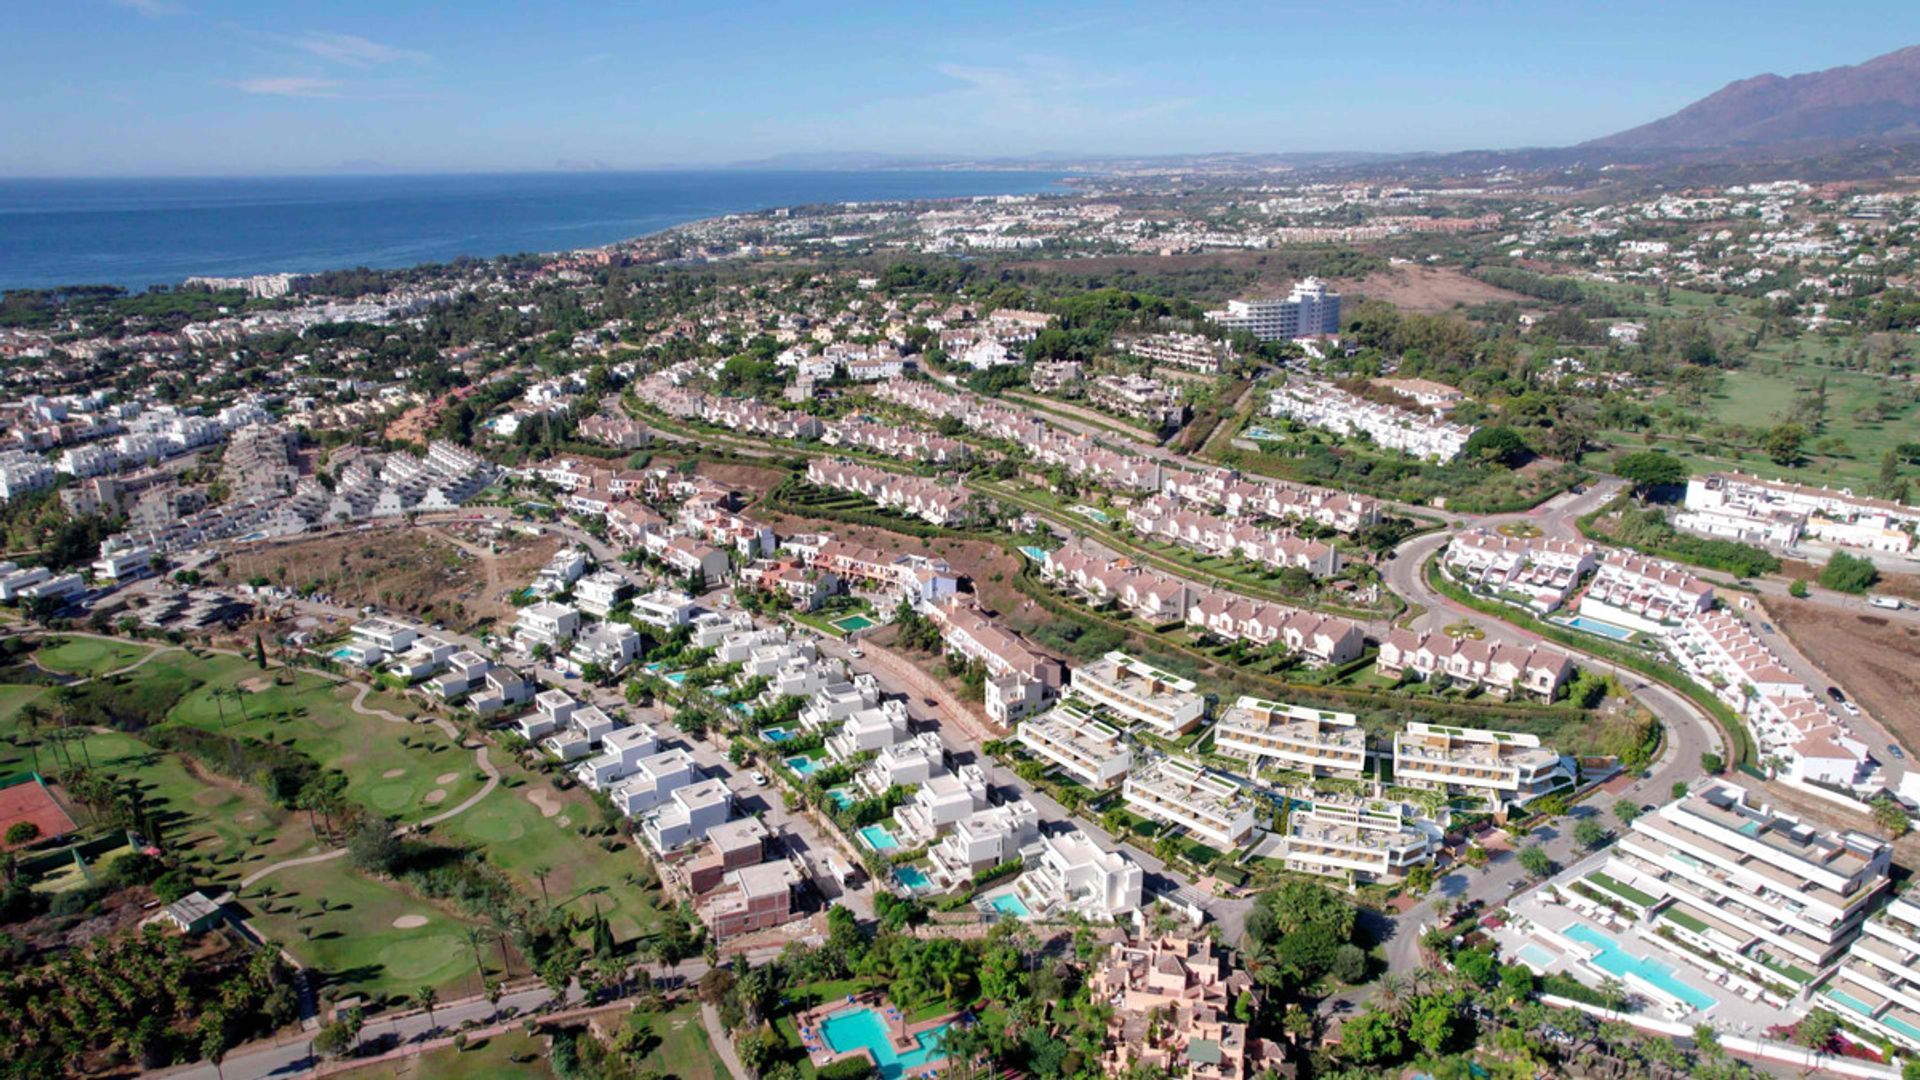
[(216, 88)]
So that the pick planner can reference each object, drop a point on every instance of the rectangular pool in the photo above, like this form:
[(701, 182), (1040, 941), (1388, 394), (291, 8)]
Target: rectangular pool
[(852, 1030), (1615, 960), (1091, 513), (1037, 554), (853, 623), (1536, 956), (1603, 629), (802, 764), (1009, 905), (776, 734), (878, 838), (841, 798)]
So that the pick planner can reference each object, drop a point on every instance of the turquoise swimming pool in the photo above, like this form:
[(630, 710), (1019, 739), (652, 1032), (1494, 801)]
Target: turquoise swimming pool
[(1595, 626), (802, 764), (878, 838), (854, 623), (677, 678), (853, 1030), (1091, 513), (776, 734), (911, 877), (1536, 956), (1010, 906), (1616, 960), (1037, 554), (841, 798)]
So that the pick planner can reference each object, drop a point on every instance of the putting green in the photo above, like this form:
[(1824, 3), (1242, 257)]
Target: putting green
[(489, 824), (390, 798)]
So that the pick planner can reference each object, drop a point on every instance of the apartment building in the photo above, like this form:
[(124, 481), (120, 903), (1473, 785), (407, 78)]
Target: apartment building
[(1537, 572), (1073, 874), (1500, 669), (1652, 596), (1769, 512), (1172, 1002), (1308, 310), (1501, 768), (1141, 397), (1318, 742), (600, 592), (1749, 885), (1176, 792), (1323, 405), (1877, 985), (1365, 842), (687, 815), (1194, 352), (1090, 752), (751, 898), (1136, 692)]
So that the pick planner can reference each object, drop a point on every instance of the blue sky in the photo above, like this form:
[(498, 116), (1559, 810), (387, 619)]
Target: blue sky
[(206, 87)]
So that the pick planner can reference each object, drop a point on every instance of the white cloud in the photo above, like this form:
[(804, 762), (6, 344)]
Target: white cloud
[(356, 51), (302, 86)]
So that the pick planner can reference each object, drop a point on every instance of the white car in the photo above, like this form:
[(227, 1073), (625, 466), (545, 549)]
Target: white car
[(1850, 708), (855, 653), (759, 778)]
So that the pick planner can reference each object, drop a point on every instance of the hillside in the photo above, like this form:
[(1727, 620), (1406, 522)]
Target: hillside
[(1877, 101)]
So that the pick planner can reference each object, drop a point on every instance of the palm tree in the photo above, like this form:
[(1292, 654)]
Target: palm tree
[(1391, 993), (428, 999), (31, 717), (540, 874), (473, 942)]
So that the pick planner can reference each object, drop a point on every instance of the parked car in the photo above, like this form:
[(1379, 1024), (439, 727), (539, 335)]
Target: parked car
[(1850, 708), (1894, 749), (1834, 695), (1767, 626), (1891, 603), (759, 778)]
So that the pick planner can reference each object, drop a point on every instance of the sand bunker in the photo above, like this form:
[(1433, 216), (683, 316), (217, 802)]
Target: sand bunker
[(548, 803), (446, 778), (392, 774), (255, 684), (437, 795), (409, 922)]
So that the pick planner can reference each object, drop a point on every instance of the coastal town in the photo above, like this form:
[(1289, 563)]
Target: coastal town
[(1259, 627)]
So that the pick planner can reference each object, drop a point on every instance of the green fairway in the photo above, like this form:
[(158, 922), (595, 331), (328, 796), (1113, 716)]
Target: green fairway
[(518, 836), (355, 939), (408, 782), (90, 656)]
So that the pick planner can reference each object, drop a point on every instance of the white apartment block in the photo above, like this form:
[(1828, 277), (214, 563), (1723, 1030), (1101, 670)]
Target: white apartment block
[(1139, 693), (653, 780), (1317, 742), (1747, 508), (1649, 595), (1323, 405), (1502, 768), (1308, 310), (1538, 572), (1365, 843), (598, 593), (1742, 881), (1877, 985), (1074, 874), (1175, 792), (1195, 352), (1090, 752), (688, 815)]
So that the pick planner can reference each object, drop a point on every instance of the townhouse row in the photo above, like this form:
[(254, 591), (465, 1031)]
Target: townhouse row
[(937, 501)]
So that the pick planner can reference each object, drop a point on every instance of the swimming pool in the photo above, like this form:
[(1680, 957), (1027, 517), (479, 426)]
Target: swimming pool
[(1595, 626), (878, 838), (1091, 513), (802, 764), (677, 678), (346, 653), (1010, 905), (1615, 960), (853, 623), (911, 877), (1536, 956), (1037, 554), (853, 1030), (841, 798), (1260, 434), (776, 734)]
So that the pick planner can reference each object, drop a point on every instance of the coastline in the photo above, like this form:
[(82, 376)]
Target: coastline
[(139, 233)]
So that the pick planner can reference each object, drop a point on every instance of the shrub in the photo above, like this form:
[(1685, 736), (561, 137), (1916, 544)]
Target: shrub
[(1848, 573), (22, 832)]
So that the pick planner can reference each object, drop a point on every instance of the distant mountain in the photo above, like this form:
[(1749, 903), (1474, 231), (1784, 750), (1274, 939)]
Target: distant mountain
[(1876, 102)]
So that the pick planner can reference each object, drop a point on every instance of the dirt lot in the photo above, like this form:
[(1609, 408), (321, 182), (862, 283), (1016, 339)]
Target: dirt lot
[(752, 480), (1427, 288), (434, 572), (1876, 659), (1905, 586)]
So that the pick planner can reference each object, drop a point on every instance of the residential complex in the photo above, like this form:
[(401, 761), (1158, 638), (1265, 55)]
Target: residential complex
[(1504, 670), (1214, 810), (1317, 742), (1091, 752), (1498, 768), (1538, 572), (1308, 310), (1368, 841), (1136, 692), (1323, 405), (1649, 595), (1172, 1001), (1756, 511), (1877, 985)]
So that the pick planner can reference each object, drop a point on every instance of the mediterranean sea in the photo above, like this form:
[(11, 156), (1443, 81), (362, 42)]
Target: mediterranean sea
[(136, 233)]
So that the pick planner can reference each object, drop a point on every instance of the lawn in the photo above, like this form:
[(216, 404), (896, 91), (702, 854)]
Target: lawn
[(355, 940), (511, 1053), (90, 656), (409, 782), (683, 1049), (519, 835)]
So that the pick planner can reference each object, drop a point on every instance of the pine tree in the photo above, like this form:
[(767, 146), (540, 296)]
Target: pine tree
[(259, 653)]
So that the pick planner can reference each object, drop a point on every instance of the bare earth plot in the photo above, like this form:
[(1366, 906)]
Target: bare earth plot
[(1427, 289), (1876, 659)]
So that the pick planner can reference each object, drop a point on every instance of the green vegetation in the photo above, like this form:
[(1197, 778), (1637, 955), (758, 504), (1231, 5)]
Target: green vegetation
[(90, 657), (1848, 573), (1648, 532)]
